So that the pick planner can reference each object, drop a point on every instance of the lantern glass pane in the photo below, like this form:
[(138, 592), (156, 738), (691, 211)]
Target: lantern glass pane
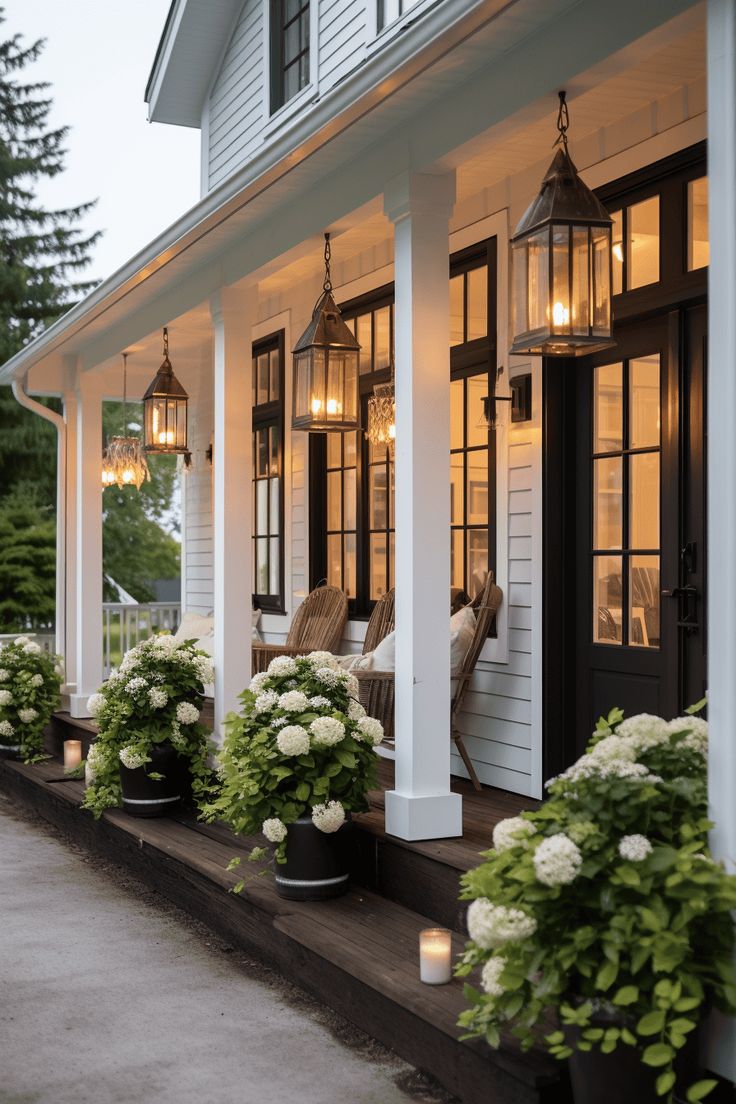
[(301, 385), (317, 383), (538, 281), (601, 245), (560, 320), (519, 269), (334, 397), (580, 281)]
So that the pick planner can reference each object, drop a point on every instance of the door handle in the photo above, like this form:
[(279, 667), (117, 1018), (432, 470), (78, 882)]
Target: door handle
[(680, 592)]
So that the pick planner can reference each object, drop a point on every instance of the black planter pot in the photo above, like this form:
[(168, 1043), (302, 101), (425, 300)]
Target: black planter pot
[(317, 863), (622, 1077), (10, 751), (150, 797)]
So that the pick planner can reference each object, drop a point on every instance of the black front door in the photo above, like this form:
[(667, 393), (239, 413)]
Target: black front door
[(639, 521)]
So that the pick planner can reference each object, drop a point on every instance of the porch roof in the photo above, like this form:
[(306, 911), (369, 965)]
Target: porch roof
[(423, 101)]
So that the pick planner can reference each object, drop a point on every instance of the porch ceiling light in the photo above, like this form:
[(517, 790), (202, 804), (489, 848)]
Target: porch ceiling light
[(123, 462), (326, 368), (165, 410), (561, 257)]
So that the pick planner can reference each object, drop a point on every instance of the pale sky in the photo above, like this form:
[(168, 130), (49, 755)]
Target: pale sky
[(98, 56)]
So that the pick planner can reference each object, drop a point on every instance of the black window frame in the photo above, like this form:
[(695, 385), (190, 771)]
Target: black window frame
[(279, 25), (466, 360), (264, 416)]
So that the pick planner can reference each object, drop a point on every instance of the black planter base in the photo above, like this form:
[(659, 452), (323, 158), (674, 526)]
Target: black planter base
[(144, 796), (9, 751), (621, 1077), (317, 863)]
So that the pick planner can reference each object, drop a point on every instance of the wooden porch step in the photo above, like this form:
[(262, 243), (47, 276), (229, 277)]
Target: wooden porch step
[(357, 954)]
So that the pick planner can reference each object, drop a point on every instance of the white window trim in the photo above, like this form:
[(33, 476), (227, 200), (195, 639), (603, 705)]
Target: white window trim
[(306, 95), (379, 37)]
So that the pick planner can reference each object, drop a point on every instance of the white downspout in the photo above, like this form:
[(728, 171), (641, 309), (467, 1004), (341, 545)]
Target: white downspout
[(57, 420)]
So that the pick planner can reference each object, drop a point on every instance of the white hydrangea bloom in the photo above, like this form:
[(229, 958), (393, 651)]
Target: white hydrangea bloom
[(329, 817), (492, 925), (279, 722), (186, 713), (646, 730), (327, 731), (6, 698), (356, 712), (258, 681), (136, 684), (282, 665), (697, 733), (328, 676), (115, 677), (164, 643), (557, 860), (205, 669), (319, 701), (27, 715), (37, 680), (590, 767), (352, 685), (370, 729), (274, 830), (131, 758), (21, 640), (490, 974), (293, 701), (612, 748), (511, 832), (31, 648), (322, 659), (265, 701), (293, 740), (634, 848), (6, 729), (157, 697), (4, 674)]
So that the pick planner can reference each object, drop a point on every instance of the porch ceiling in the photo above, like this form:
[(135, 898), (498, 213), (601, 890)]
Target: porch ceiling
[(333, 176)]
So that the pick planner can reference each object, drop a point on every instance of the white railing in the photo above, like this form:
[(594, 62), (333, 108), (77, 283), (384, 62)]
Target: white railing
[(45, 639), (124, 625)]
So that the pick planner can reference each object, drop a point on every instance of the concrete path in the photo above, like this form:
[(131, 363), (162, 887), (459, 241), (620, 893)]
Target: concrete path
[(109, 996)]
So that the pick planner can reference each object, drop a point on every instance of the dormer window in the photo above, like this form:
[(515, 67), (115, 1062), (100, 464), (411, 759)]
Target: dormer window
[(289, 50), (390, 10)]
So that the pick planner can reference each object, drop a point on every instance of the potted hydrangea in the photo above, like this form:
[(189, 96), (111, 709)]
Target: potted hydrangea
[(296, 762), (29, 693), (606, 907), (151, 746)]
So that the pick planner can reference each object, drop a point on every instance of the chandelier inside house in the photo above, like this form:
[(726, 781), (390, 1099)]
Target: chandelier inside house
[(381, 419), (326, 368), (561, 261), (123, 461)]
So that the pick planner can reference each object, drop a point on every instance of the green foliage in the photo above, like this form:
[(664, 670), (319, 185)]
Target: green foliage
[(29, 694), (155, 697), (631, 940), (301, 741), (27, 565)]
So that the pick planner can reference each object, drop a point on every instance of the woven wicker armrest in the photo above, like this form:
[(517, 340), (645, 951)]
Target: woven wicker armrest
[(376, 693), (263, 654)]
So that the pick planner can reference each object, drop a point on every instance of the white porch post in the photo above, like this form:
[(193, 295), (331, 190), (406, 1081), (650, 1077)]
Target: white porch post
[(721, 57), (422, 805), (71, 415), (88, 615), (233, 313)]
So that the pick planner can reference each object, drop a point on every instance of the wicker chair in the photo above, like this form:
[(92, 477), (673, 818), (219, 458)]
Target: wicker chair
[(318, 625), (377, 687), (381, 622)]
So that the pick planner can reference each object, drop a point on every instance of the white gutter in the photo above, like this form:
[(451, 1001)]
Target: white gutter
[(56, 420)]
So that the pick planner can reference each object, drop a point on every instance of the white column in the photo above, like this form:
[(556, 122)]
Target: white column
[(233, 314), (71, 415), (422, 805), (721, 60), (88, 599)]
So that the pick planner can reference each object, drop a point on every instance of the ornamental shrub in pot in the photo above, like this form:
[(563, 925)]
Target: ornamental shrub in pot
[(606, 908), (296, 762), (29, 693), (150, 734)]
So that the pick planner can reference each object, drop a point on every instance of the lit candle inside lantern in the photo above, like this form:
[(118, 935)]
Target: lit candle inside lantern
[(435, 956), (72, 753), (166, 437), (316, 406), (332, 406)]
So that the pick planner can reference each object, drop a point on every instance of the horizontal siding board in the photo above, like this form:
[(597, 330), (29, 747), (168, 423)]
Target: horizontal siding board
[(516, 781), (237, 100)]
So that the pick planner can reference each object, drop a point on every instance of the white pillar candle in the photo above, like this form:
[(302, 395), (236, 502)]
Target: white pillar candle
[(435, 956), (72, 753)]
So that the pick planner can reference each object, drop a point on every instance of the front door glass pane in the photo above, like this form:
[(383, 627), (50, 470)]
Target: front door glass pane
[(607, 503), (644, 495), (608, 409), (644, 590), (607, 619), (644, 402)]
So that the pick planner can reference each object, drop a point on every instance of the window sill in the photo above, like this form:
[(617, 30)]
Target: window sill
[(391, 30), (284, 114)]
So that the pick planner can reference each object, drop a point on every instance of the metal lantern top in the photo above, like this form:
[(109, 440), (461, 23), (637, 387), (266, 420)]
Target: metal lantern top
[(165, 410), (326, 368), (561, 254)]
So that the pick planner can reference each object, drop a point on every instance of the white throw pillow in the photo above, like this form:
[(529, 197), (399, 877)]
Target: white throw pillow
[(462, 630), (194, 626), (255, 632), (383, 656)]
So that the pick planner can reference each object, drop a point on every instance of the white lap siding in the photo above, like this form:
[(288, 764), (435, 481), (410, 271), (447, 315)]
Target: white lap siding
[(197, 586), (237, 106), (342, 39)]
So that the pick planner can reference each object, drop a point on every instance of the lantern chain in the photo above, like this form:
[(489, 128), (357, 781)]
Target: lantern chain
[(563, 120), (166, 343), (327, 285), (125, 394)]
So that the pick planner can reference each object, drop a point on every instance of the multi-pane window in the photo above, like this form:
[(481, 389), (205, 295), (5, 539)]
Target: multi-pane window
[(289, 50), (626, 497), (268, 425), (353, 544), (390, 10), (698, 249), (636, 245)]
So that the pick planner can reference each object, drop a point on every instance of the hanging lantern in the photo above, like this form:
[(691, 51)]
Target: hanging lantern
[(123, 463), (561, 256), (489, 417), (165, 410), (326, 368)]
